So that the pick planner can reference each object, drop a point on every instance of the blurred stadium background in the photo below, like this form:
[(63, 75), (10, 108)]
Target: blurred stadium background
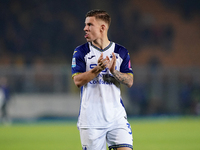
[(37, 39)]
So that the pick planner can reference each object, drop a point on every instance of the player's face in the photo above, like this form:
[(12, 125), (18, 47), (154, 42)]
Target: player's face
[(92, 29)]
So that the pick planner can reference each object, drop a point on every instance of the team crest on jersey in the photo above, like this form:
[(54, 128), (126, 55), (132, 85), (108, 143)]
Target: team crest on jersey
[(73, 62)]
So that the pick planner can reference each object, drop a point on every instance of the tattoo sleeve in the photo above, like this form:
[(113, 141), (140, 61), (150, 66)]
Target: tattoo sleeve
[(123, 78)]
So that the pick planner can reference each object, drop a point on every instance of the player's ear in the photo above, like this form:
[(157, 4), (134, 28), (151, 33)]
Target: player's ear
[(103, 27)]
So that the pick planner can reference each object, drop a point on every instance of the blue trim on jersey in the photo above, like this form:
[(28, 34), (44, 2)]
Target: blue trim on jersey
[(78, 61), (120, 145), (121, 50), (122, 102), (123, 53)]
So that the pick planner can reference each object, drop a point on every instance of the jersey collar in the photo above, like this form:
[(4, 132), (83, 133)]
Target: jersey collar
[(102, 50)]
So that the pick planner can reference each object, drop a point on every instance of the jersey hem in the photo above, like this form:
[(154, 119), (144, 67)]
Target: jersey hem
[(108, 125), (93, 127)]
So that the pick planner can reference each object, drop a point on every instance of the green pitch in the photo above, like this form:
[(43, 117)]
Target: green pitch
[(151, 134)]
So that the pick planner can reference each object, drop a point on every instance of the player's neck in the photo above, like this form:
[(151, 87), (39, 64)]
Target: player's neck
[(101, 43)]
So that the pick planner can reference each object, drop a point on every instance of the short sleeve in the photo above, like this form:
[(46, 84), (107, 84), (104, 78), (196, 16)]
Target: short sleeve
[(126, 64), (78, 62)]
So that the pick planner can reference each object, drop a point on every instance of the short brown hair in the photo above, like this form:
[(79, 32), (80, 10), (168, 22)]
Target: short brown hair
[(100, 14)]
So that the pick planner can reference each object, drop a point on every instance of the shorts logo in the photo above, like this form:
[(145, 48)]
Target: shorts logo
[(73, 62), (84, 147)]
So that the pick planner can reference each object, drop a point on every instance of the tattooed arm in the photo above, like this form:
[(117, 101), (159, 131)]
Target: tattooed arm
[(123, 78)]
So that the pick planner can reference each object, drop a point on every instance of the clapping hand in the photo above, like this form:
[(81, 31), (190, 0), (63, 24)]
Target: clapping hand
[(107, 63)]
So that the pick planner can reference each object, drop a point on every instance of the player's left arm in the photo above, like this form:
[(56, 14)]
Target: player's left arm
[(124, 78)]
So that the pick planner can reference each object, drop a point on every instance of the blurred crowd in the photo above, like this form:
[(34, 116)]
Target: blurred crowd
[(39, 30), (186, 7), (157, 95), (47, 31)]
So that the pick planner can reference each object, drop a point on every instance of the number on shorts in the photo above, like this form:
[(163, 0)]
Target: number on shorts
[(129, 126)]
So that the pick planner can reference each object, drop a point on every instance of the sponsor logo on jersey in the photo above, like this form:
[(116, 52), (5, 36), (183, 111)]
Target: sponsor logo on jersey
[(104, 79), (73, 62), (105, 70), (100, 81)]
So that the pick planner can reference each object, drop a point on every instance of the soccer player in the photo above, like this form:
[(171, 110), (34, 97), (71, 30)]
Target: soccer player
[(98, 67)]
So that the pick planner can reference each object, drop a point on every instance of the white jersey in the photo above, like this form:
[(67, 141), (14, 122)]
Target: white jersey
[(101, 102)]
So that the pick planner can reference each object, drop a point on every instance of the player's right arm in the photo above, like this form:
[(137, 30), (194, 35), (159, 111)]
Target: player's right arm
[(81, 79)]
